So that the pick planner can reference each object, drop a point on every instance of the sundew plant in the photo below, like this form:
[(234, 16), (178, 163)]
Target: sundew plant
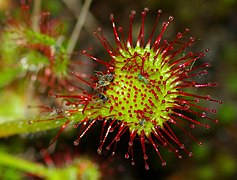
[(144, 90), (145, 87)]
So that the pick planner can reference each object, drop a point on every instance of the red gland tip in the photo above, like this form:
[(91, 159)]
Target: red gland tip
[(112, 17), (187, 30), (132, 14), (163, 163), (83, 51), (171, 18), (95, 33), (99, 29), (146, 9)]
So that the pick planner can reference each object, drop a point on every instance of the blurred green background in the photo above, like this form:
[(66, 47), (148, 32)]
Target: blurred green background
[(214, 25)]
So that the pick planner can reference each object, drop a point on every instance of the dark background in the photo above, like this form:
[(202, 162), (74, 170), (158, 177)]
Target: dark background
[(214, 25)]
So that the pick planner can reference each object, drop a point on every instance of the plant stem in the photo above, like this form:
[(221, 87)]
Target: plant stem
[(76, 32), (90, 23), (36, 15), (23, 126), (23, 165)]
